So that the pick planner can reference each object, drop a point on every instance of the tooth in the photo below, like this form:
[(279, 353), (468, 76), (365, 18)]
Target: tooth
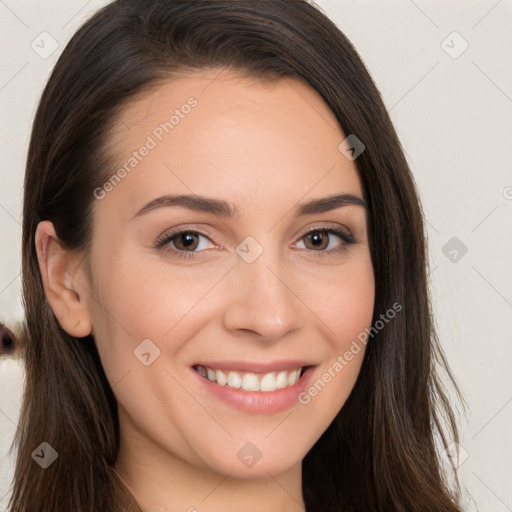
[(268, 382), (281, 379), (201, 370), (221, 377), (234, 380), (211, 374), (293, 377), (250, 382)]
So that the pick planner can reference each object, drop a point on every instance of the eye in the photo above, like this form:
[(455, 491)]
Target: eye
[(184, 242), (321, 241), (187, 244)]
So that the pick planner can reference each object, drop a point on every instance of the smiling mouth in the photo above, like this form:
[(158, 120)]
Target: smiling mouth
[(250, 381)]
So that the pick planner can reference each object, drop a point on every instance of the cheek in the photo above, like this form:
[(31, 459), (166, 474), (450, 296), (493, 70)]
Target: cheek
[(147, 298), (345, 302), (352, 306), (137, 302), (346, 317)]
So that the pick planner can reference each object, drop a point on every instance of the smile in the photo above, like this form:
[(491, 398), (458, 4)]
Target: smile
[(250, 381)]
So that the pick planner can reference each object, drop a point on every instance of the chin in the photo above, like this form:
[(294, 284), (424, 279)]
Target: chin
[(251, 462)]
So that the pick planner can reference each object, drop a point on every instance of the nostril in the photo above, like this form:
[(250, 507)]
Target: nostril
[(7, 340)]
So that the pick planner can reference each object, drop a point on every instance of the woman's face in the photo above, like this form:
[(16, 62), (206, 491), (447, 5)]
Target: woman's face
[(246, 291)]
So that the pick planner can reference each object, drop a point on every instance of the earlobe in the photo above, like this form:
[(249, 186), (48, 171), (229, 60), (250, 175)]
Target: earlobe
[(63, 281)]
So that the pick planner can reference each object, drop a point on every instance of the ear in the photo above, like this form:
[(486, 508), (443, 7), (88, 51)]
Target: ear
[(65, 281)]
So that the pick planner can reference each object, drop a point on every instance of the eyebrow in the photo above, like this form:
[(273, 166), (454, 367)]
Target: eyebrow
[(226, 209)]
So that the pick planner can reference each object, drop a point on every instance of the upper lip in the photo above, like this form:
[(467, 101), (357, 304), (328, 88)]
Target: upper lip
[(254, 366)]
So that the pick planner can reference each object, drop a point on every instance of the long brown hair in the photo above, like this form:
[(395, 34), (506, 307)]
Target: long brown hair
[(379, 453)]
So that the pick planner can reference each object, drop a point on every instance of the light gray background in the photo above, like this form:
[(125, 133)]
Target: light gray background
[(454, 118)]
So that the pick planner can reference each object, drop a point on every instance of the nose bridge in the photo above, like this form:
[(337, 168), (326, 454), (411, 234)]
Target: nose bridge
[(262, 298)]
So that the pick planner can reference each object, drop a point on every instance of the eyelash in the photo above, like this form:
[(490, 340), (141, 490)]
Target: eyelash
[(162, 242)]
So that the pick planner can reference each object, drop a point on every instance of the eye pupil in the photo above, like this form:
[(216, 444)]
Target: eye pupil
[(187, 239), (318, 238)]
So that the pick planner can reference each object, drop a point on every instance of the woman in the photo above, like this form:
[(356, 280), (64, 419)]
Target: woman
[(287, 361)]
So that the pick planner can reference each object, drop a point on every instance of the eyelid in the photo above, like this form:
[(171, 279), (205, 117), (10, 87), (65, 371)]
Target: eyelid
[(164, 238), (338, 230), (327, 227)]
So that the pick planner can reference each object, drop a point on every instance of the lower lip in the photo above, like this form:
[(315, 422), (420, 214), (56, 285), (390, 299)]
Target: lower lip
[(258, 402)]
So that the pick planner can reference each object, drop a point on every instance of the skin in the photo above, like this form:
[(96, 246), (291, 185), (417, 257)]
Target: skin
[(265, 147)]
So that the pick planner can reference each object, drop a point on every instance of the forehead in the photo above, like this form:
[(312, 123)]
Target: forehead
[(224, 134)]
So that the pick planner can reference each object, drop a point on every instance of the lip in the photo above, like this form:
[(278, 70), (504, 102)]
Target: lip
[(258, 402), (255, 367)]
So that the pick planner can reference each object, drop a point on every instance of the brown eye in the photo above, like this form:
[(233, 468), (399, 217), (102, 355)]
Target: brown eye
[(187, 240), (184, 244), (319, 240)]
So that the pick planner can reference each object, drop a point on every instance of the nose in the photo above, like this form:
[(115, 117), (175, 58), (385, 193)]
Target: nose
[(263, 299)]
